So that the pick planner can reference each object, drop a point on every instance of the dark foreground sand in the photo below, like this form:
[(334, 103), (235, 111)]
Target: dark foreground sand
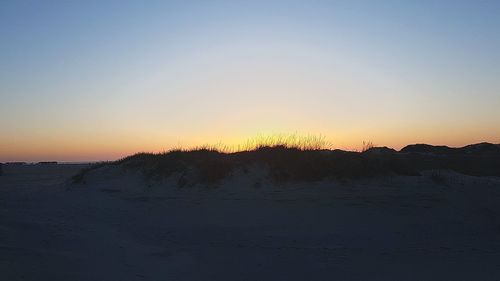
[(117, 227)]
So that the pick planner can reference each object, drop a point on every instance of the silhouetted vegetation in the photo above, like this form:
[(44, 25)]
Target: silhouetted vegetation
[(302, 163)]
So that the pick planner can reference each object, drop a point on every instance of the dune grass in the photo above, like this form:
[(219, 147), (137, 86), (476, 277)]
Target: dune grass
[(293, 158), (287, 158), (292, 141)]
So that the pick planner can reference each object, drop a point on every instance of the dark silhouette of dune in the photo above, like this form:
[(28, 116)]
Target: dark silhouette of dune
[(294, 164), (426, 148), (473, 149), (481, 148), (380, 150)]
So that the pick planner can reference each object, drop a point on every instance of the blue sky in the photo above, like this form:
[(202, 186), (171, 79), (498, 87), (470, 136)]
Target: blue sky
[(94, 80)]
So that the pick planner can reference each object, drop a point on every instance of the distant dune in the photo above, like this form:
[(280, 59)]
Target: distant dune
[(483, 148)]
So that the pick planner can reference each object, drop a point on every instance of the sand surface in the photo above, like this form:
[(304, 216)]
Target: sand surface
[(118, 227)]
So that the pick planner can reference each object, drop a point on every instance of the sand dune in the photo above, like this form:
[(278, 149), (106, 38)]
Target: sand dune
[(120, 226)]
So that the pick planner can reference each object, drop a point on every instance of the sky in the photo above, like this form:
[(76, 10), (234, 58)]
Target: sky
[(99, 80)]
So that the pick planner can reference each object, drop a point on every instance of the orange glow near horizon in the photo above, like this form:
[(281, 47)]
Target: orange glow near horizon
[(89, 82), (82, 150)]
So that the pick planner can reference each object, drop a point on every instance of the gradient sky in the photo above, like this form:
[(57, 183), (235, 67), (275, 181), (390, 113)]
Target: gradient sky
[(96, 80)]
